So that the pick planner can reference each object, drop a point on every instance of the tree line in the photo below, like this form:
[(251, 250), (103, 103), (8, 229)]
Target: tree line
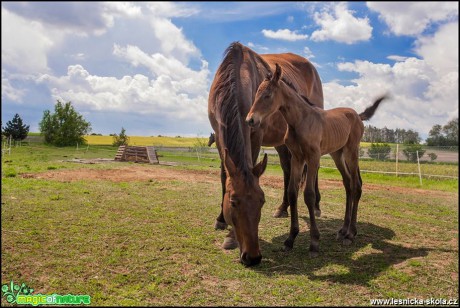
[(439, 135), (67, 127)]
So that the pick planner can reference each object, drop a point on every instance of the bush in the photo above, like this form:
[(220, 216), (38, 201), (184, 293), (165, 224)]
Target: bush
[(411, 152), (433, 156), (121, 139), (380, 151)]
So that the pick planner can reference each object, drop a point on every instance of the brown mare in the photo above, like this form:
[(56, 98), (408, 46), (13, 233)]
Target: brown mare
[(314, 132), (231, 96)]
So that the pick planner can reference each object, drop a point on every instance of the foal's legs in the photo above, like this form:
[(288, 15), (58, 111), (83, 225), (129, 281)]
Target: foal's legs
[(285, 161), (346, 179), (310, 200), (297, 164)]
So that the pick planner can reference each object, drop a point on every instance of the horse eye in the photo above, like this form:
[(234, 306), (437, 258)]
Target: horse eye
[(233, 202)]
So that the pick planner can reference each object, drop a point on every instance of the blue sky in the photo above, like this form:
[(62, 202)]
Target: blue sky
[(148, 67)]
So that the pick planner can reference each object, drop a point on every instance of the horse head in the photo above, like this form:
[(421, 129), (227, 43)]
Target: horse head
[(266, 98), (242, 206)]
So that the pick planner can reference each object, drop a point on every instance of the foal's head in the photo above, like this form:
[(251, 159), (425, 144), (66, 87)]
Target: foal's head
[(267, 100), (242, 205)]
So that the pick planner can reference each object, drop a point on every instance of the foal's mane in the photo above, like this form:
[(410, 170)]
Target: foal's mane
[(291, 85)]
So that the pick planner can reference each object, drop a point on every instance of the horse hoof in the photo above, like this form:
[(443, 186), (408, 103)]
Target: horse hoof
[(280, 214), (229, 243), (340, 236), (220, 225), (286, 248), (318, 213), (347, 242), (314, 254)]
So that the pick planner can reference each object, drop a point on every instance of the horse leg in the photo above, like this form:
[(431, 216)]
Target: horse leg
[(293, 191), (310, 201), (356, 186), (220, 223), (318, 196), (285, 161), (317, 193), (230, 241), (340, 164)]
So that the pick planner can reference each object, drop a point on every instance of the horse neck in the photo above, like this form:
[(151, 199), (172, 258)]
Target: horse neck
[(238, 99), (293, 107)]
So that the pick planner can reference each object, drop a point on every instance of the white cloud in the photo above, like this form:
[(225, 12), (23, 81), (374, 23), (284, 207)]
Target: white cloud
[(308, 53), (284, 34), (25, 44), (258, 48), (161, 98), (396, 58), (10, 92), (338, 24), (412, 18), (440, 50), (421, 98)]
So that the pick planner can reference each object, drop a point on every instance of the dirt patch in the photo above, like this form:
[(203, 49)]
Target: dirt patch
[(168, 173)]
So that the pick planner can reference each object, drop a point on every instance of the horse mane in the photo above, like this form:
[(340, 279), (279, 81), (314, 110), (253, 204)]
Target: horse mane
[(291, 85), (228, 111)]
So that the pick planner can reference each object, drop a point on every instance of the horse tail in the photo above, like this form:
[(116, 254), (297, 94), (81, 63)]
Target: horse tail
[(369, 112)]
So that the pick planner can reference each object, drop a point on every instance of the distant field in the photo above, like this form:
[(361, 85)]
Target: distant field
[(156, 141)]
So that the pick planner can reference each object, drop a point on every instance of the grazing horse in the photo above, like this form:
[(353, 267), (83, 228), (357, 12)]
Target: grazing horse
[(212, 139), (314, 132), (230, 98)]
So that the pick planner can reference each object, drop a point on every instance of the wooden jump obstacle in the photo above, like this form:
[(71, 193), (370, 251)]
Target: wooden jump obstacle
[(137, 154)]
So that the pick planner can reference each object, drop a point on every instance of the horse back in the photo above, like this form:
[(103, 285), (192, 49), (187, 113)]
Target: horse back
[(301, 73)]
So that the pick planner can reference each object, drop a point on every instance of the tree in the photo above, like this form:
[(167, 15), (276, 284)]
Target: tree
[(446, 135), (379, 151), (64, 127), (121, 139), (16, 129), (450, 131), (411, 151)]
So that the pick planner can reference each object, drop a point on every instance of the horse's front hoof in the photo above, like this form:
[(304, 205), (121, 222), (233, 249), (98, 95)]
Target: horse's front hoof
[(313, 254), (220, 225), (229, 243), (280, 213), (317, 213), (347, 242), (340, 235)]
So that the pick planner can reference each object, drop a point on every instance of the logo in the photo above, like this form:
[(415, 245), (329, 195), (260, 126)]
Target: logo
[(22, 295)]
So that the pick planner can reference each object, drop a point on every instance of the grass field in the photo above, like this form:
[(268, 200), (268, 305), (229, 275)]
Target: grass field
[(139, 234)]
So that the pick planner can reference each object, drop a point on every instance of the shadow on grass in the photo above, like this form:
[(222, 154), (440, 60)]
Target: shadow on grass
[(369, 255)]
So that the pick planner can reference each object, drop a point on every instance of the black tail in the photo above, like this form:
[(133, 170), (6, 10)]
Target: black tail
[(369, 112)]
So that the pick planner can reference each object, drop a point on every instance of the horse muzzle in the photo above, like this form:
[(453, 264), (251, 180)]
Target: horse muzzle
[(249, 261), (253, 121)]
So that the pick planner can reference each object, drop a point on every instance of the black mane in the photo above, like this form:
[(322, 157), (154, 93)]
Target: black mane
[(228, 112)]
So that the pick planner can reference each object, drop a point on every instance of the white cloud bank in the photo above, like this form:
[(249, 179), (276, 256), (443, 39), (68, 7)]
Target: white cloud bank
[(338, 24)]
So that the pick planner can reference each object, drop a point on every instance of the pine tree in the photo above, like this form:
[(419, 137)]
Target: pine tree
[(16, 129)]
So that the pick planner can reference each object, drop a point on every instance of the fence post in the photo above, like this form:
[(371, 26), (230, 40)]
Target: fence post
[(419, 171), (397, 156)]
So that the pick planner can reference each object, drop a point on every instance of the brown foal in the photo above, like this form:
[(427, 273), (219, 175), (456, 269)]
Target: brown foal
[(313, 132)]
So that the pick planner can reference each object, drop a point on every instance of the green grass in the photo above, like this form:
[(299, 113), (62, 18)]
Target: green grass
[(152, 242)]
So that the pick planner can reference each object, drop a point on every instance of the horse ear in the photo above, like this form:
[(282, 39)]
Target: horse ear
[(229, 164), (277, 75), (260, 167)]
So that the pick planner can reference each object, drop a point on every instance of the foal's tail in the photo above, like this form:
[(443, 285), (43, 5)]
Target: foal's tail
[(369, 112)]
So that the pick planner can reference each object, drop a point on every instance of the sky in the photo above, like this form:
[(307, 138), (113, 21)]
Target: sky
[(148, 66)]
